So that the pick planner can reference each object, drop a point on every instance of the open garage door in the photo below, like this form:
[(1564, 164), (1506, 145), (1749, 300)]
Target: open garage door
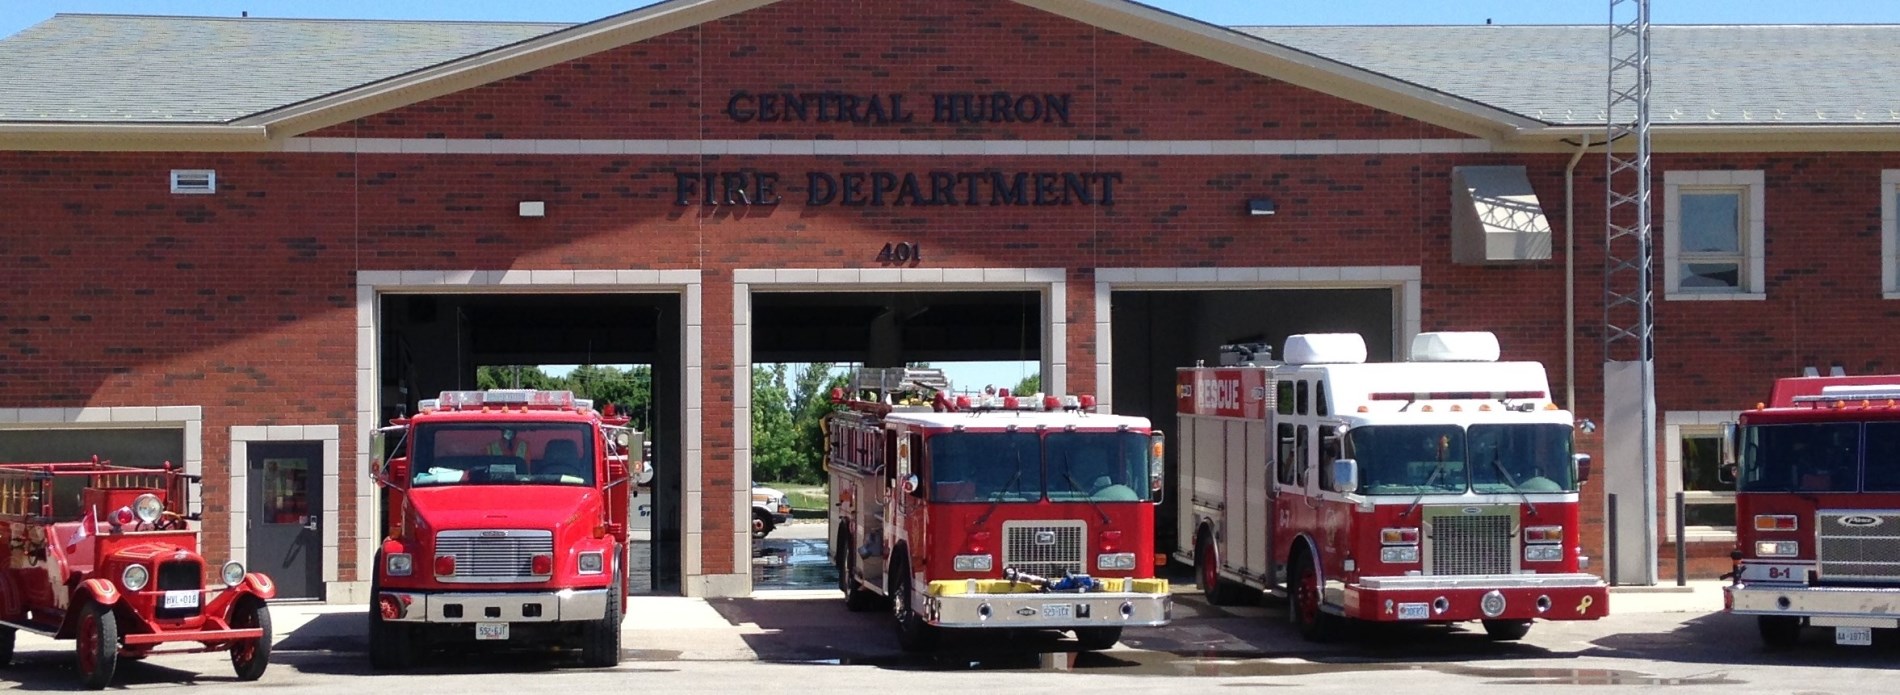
[(1158, 331)]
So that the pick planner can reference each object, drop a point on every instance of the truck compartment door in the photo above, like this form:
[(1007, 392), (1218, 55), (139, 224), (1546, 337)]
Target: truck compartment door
[(1239, 534), (1259, 514)]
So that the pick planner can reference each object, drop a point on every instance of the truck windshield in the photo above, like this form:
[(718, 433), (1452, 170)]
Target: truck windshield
[(1097, 466), (1814, 457), (1409, 459), (1520, 458), (493, 453), (986, 467)]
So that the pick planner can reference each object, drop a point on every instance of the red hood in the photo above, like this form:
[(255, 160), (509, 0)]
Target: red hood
[(456, 507)]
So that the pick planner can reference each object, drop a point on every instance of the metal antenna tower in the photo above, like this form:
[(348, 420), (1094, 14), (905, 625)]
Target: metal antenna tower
[(1628, 300)]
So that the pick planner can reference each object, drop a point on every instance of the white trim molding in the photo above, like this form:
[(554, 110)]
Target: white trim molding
[(330, 437), (931, 148), (1698, 422), (1890, 233), (1752, 188), (372, 284), (189, 418), (1405, 281)]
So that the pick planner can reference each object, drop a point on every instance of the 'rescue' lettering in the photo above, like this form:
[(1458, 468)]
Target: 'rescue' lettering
[(1218, 392)]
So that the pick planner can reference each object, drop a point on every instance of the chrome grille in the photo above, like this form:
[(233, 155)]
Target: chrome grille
[(1858, 544), (1471, 544), (1046, 548), (493, 555)]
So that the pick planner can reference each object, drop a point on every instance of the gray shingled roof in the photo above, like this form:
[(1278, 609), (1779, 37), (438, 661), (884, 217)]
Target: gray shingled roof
[(1730, 75), (116, 68)]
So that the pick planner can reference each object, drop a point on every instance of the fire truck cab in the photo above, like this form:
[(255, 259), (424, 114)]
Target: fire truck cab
[(1817, 508), (1441, 489), (508, 521), (992, 512)]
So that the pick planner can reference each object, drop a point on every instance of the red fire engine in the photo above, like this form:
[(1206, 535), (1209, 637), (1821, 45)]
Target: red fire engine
[(992, 512), (105, 555), (1817, 508), (508, 518), (1443, 489)]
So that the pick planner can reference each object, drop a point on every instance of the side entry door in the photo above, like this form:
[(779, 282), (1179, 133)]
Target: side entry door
[(285, 535)]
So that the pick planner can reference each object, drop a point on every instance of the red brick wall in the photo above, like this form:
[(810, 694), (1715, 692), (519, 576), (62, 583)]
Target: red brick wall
[(244, 302)]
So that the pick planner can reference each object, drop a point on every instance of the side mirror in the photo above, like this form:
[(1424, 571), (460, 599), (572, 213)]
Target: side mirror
[(1725, 474), (913, 486), (1157, 465), (1580, 464), (1345, 475), (1729, 437)]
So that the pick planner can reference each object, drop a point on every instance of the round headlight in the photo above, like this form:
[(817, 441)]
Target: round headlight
[(147, 508), (134, 577), (233, 573)]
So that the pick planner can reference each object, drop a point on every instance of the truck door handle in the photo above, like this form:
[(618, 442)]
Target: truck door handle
[(310, 522)]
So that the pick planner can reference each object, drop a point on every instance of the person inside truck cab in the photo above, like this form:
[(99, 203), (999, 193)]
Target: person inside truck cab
[(1092, 468), (562, 459), (508, 443)]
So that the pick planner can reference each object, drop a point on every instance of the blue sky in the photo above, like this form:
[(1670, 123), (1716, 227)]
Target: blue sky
[(19, 14)]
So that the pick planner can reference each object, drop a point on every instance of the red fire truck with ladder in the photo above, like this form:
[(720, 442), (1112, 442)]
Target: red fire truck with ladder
[(992, 512), (508, 520), (1817, 508), (1442, 489)]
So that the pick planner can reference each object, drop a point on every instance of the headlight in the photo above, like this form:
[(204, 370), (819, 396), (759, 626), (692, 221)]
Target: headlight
[(147, 508), (135, 577), (592, 562), (972, 563), (399, 564), (1777, 548), (1399, 554), (1543, 553), (233, 573), (1115, 561)]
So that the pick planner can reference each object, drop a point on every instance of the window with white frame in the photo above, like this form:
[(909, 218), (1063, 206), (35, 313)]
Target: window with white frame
[(1890, 233), (1694, 455), (1713, 234)]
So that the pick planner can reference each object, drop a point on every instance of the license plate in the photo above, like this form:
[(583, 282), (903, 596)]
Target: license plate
[(1854, 636), (1057, 610), (491, 631), (1415, 611), (181, 599)]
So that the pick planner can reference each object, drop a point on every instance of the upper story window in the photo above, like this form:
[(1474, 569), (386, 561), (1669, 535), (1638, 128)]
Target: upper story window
[(1890, 233), (1713, 234)]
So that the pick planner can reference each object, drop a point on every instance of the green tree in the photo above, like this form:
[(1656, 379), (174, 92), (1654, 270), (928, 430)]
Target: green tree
[(1029, 386), (630, 390), (514, 377), (774, 441)]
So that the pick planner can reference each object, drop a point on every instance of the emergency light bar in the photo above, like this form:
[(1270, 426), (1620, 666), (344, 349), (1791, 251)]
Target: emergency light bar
[(1455, 395), (527, 398)]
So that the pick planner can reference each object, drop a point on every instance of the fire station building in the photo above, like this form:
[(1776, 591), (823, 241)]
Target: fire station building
[(241, 244)]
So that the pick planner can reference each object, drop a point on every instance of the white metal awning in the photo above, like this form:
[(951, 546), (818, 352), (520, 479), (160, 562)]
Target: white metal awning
[(1496, 217)]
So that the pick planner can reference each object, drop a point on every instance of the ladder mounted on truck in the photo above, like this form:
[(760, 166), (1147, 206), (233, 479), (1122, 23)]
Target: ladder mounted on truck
[(882, 389)]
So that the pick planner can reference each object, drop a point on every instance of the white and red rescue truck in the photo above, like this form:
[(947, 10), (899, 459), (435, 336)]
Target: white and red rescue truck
[(508, 519), (1443, 489), (992, 513), (1817, 508)]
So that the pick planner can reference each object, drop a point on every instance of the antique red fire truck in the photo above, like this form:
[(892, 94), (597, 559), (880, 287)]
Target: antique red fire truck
[(1817, 508), (508, 518), (992, 512), (105, 555), (1441, 489)]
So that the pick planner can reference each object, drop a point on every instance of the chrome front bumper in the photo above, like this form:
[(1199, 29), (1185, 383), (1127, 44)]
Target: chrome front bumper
[(1824, 606), (500, 607), (1053, 610)]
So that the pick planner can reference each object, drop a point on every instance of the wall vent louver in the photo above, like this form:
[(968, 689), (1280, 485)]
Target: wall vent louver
[(194, 181)]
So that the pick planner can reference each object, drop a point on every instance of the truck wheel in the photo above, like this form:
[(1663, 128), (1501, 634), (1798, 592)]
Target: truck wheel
[(1779, 631), (98, 645), (250, 657), (1219, 592), (600, 645), (761, 523), (914, 634), (1507, 630), (856, 598), (7, 636), (1097, 639), (1303, 604)]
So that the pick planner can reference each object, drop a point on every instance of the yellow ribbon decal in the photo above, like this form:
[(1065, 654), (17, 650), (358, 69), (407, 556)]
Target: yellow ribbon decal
[(1584, 605)]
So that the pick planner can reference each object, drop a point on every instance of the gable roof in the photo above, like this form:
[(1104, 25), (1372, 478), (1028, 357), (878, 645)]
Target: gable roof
[(237, 83)]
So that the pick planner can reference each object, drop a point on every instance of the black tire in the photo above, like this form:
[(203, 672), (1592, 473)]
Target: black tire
[(98, 645), (1506, 630), (857, 599), (1219, 592), (1779, 632), (914, 634), (762, 525), (1303, 598), (7, 636), (1098, 639), (600, 639), (392, 646), (249, 659)]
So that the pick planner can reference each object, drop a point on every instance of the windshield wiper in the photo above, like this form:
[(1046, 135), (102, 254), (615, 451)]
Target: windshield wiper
[(1086, 497), (1008, 489), (1429, 482), (1497, 461)]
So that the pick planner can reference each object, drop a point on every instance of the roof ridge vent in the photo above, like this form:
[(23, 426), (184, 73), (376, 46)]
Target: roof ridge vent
[(194, 181)]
